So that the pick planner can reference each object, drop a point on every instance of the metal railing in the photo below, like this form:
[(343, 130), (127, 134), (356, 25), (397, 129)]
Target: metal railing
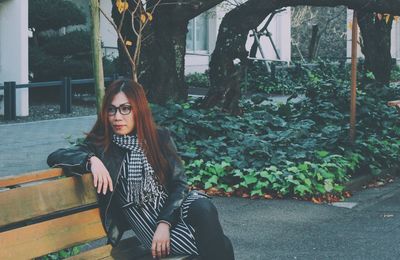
[(65, 85)]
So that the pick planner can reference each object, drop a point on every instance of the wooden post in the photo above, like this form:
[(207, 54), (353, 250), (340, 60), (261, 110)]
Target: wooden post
[(10, 99), (98, 73), (312, 48), (66, 96), (354, 37), (273, 71), (115, 76)]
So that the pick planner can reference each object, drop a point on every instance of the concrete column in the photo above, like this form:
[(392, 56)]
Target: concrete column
[(284, 35), (14, 50), (395, 45)]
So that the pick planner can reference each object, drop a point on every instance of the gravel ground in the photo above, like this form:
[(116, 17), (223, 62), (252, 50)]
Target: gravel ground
[(46, 111)]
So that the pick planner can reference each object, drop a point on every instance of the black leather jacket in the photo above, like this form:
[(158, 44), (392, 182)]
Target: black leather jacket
[(73, 160)]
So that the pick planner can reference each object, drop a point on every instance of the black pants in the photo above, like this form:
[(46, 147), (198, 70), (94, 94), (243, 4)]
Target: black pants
[(210, 239)]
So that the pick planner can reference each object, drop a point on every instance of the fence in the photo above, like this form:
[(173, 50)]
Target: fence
[(65, 85)]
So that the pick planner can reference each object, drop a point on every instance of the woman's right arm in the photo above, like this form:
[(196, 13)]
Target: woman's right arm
[(73, 159), (82, 158)]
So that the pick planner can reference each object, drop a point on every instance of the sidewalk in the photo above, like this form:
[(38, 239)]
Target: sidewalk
[(24, 146), (366, 227)]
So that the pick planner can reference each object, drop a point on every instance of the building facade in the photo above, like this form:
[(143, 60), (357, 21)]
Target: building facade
[(203, 32)]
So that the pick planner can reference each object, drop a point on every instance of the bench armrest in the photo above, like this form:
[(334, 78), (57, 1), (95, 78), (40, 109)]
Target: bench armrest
[(394, 103)]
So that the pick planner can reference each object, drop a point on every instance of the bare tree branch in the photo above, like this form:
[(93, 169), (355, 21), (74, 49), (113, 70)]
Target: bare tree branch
[(120, 37)]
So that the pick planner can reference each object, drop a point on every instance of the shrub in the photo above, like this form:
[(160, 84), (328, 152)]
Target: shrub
[(198, 80)]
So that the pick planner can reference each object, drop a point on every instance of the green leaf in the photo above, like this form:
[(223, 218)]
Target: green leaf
[(301, 190), (225, 187), (256, 192), (327, 174), (207, 185), (196, 178), (320, 188), (322, 154), (264, 174), (63, 254), (249, 179), (213, 179), (338, 188), (303, 167), (328, 186), (307, 182)]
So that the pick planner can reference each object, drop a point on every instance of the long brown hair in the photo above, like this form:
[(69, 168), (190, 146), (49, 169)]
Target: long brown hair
[(143, 119)]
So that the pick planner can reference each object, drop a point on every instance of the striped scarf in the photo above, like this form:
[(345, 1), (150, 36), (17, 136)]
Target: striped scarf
[(142, 183)]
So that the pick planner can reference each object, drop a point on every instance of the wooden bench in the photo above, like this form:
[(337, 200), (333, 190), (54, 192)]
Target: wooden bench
[(43, 212), (395, 103)]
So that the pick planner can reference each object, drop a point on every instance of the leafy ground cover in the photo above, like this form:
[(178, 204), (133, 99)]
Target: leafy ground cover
[(298, 149)]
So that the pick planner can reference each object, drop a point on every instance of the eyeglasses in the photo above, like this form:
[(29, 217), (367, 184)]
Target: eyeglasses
[(123, 109)]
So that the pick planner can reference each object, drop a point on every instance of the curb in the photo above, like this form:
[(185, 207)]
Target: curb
[(356, 183)]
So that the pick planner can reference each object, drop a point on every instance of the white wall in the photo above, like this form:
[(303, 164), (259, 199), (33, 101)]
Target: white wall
[(280, 29), (395, 47), (107, 32), (14, 49), (198, 61)]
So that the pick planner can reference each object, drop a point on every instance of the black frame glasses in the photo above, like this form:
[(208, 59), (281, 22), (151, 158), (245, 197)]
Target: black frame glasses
[(124, 109)]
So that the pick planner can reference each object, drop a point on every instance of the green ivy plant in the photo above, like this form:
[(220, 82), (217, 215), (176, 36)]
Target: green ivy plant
[(62, 254), (289, 136)]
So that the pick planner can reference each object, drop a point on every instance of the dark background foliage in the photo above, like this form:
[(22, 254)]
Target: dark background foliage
[(331, 22), (56, 50)]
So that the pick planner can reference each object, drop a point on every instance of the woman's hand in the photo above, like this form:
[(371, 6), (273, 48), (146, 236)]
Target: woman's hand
[(161, 241), (101, 177)]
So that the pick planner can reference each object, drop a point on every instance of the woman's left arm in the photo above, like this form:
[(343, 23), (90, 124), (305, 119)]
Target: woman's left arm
[(176, 185)]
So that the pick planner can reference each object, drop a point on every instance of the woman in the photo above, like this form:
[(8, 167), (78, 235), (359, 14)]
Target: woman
[(141, 181)]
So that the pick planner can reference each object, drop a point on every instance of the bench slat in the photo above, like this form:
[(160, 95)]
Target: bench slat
[(50, 236), (28, 202), (29, 177), (127, 249), (393, 103)]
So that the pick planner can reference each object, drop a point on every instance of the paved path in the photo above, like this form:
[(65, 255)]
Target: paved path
[(289, 229), (24, 146), (369, 228)]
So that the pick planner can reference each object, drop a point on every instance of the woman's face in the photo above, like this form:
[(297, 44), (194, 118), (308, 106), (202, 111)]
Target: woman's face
[(120, 115)]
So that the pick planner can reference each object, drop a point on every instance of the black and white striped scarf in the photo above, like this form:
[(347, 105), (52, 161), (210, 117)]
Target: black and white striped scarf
[(143, 186)]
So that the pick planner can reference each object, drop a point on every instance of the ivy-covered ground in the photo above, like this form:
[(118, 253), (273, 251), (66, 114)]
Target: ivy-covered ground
[(297, 149)]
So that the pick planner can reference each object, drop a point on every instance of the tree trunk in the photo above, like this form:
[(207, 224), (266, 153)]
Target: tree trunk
[(162, 73), (163, 62), (97, 56), (233, 34), (376, 39), (162, 66), (225, 77), (312, 49)]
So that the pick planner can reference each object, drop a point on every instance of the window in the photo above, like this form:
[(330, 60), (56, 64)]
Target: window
[(197, 36)]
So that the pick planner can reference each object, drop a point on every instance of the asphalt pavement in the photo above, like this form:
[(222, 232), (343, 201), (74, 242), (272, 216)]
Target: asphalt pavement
[(365, 226)]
